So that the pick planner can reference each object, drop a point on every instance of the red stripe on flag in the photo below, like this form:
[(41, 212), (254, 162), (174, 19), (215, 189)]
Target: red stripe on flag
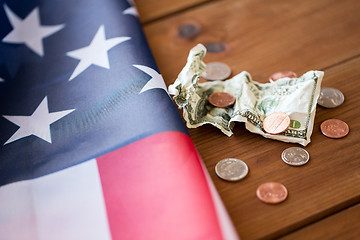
[(155, 188)]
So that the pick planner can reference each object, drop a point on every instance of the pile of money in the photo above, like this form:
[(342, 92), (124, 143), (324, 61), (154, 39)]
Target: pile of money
[(283, 109), (296, 97)]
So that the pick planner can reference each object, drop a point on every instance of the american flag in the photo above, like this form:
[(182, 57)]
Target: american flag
[(91, 145)]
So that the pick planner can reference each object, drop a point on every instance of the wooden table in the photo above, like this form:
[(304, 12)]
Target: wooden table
[(263, 37)]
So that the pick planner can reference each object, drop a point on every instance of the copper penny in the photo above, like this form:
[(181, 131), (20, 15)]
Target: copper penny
[(276, 123), (221, 99), (283, 74), (334, 128), (271, 192)]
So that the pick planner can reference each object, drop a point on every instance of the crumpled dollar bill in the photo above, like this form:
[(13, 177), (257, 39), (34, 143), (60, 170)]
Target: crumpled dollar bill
[(297, 97)]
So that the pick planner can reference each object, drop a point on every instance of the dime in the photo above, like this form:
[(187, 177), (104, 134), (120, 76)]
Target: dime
[(334, 128), (271, 192), (231, 169), (283, 74), (330, 98), (216, 71), (221, 99), (295, 156), (276, 123)]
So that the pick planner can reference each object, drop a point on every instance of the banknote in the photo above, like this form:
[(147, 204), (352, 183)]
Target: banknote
[(297, 97)]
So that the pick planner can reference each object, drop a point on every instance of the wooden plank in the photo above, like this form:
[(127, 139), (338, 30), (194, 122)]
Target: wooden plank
[(263, 37), (328, 183), (153, 9), (343, 225)]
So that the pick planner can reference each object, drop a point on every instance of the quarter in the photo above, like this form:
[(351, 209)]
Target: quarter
[(272, 192), (295, 156), (334, 128), (216, 71), (231, 169), (330, 97)]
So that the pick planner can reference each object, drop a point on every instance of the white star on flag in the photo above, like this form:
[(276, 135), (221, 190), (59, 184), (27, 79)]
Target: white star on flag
[(38, 124), (156, 80), (131, 10), (95, 53), (28, 31), (2, 80)]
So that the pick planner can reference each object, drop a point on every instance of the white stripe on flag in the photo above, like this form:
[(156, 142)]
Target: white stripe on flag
[(64, 205)]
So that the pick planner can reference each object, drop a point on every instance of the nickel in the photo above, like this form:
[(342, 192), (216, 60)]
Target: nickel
[(216, 71), (231, 169), (283, 74), (276, 123), (221, 99), (271, 192), (334, 128), (330, 98), (295, 156)]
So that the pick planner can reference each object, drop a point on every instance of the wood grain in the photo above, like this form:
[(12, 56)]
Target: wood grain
[(344, 225), (153, 9), (328, 183), (263, 37)]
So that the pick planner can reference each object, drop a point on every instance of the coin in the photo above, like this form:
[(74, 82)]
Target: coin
[(221, 99), (295, 156), (216, 71), (276, 123), (215, 47), (330, 97), (231, 169), (283, 74), (189, 30), (271, 192), (334, 128)]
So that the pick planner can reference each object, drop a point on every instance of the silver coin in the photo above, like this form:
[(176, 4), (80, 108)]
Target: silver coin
[(189, 30), (330, 98), (231, 169), (295, 156), (215, 47), (216, 71)]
